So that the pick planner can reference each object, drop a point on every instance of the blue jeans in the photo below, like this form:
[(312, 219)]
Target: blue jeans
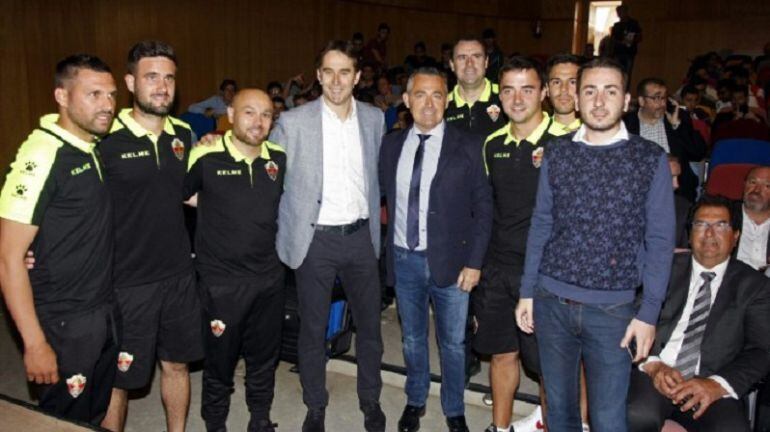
[(567, 332), (414, 290)]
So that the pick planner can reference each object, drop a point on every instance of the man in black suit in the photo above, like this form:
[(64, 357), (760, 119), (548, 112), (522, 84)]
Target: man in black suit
[(713, 335), (440, 211), (659, 119)]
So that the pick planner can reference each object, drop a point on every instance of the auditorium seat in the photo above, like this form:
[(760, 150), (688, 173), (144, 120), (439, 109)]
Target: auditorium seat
[(740, 151), (727, 180)]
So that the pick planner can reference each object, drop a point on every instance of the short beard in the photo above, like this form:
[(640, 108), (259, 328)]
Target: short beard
[(592, 126), (149, 109)]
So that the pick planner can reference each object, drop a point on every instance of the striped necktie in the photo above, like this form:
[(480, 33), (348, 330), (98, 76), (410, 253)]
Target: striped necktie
[(689, 354)]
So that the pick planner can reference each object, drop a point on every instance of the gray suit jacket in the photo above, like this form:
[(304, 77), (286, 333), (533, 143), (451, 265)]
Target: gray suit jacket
[(300, 133)]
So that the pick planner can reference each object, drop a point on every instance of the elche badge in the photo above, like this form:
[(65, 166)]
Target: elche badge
[(217, 328), (494, 112), (178, 147), (271, 168), (124, 361), (537, 157), (76, 384)]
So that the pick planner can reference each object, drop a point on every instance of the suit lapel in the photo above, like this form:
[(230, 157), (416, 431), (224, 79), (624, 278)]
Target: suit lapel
[(368, 158), (314, 130), (449, 145)]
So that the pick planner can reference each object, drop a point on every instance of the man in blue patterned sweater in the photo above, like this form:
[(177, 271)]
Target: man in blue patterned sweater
[(603, 225)]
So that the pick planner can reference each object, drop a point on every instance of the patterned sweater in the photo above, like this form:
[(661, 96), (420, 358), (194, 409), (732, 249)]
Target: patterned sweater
[(603, 224)]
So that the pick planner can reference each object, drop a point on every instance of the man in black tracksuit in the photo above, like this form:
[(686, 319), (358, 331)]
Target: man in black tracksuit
[(239, 181)]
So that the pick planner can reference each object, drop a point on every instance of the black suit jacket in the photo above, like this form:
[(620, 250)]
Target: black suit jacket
[(684, 142), (736, 344), (460, 204)]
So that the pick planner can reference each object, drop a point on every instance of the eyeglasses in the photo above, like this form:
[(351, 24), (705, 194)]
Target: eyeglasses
[(657, 98), (719, 227)]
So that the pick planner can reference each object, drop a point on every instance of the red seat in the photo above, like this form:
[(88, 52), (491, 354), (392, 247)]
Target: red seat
[(727, 180), (741, 128)]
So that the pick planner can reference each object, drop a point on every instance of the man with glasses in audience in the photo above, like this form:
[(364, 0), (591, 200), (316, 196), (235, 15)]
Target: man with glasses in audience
[(661, 120), (713, 336)]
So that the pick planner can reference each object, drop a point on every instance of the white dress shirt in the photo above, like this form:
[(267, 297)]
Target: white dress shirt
[(620, 135), (343, 199), (674, 344), (752, 248), (430, 157)]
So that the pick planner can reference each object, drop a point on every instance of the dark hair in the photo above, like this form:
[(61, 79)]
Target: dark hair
[(724, 83), (420, 44), (67, 68), (228, 82), (558, 59), (696, 81), (278, 99), (429, 71), (383, 26), (149, 48), (642, 86), (345, 47), (469, 39), (733, 209), (522, 63), (735, 88), (488, 33), (446, 46), (358, 36), (689, 89), (274, 84), (603, 63)]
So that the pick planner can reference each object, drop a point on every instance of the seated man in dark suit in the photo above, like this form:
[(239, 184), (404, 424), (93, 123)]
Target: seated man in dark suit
[(713, 335)]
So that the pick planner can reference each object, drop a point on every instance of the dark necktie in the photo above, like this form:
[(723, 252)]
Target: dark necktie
[(688, 356), (413, 211)]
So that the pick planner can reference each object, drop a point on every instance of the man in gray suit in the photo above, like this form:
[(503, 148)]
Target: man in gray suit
[(329, 225)]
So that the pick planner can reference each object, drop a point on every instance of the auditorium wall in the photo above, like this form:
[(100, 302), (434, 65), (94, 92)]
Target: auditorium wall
[(259, 41)]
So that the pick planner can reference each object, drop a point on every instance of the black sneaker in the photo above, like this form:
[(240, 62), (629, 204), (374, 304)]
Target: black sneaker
[(493, 428), (410, 419), (314, 421), (374, 418), (263, 425), (457, 424)]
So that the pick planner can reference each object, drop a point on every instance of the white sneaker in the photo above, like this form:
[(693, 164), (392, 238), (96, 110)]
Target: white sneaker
[(531, 423), (586, 428)]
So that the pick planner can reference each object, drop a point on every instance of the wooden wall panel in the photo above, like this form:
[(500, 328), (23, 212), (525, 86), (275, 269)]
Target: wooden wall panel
[(258, 41)]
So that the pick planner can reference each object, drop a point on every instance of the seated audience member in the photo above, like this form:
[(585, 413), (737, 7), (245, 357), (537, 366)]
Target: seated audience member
[(357, 42), (216, 105), (419, 59), (700, 115), (740, 121), (681, 206), (274, 88), (724, 101), (368, 81), (385, 97), (660, 120), (279, 106), (300, 99), (712, 340), (375, 52), (755, 232)]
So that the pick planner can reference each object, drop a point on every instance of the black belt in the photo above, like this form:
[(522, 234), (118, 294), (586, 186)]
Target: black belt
[(343, 229)]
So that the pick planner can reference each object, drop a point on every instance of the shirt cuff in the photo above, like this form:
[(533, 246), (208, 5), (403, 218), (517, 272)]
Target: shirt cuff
[(725, 385), (650, 359)]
